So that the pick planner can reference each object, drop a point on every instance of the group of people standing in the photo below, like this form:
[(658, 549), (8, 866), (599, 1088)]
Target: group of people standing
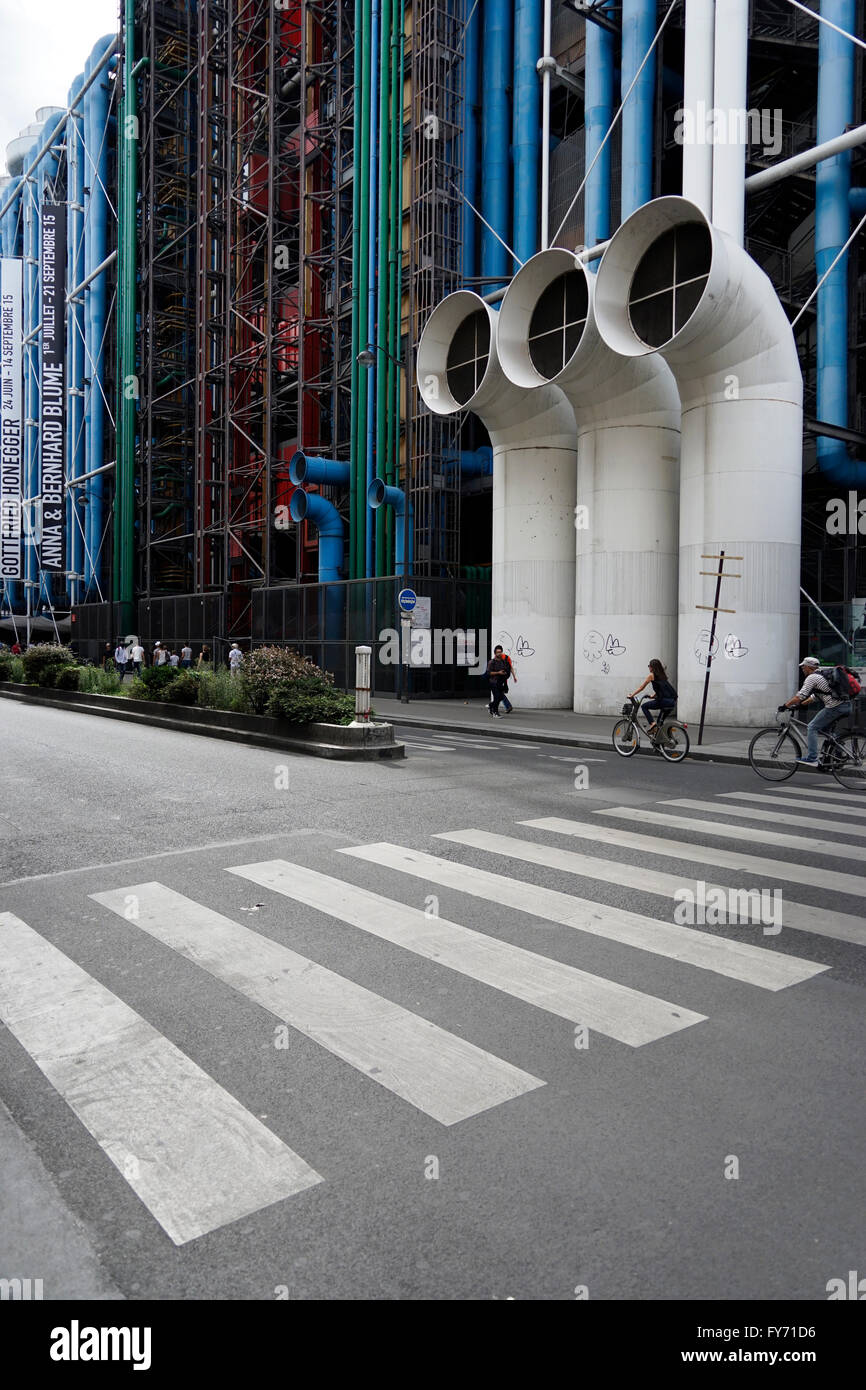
[(134, 658)]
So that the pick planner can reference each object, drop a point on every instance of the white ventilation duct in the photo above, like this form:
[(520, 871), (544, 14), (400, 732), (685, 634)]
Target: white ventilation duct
[(669, 281), (627, 414), (534, 465)]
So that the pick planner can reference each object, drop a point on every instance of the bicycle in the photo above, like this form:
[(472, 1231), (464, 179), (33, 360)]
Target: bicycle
[(670, 737), (773, 752)]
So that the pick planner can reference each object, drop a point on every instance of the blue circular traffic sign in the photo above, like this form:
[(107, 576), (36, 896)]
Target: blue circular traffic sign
[(407, 598)]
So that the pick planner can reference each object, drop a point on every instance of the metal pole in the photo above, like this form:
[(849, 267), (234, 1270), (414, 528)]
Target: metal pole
[(363, 662), (710, 646), (545, 64)]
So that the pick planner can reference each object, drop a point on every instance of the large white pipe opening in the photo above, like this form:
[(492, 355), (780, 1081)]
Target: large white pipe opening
[(627, 414), (670, 282), (534, 466)]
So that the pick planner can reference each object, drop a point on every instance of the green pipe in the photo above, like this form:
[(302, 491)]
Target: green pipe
[(356, 347), (363, 279), (383, 304), (124, 490), (397, 69)]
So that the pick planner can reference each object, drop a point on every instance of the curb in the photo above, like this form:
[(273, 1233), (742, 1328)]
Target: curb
[(343, 751), (596, 741)]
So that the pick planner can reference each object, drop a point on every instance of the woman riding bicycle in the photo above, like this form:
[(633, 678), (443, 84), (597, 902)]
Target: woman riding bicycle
[(665, 696)]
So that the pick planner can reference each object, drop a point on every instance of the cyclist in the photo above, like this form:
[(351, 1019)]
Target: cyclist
[(665, 696), (816, 687)]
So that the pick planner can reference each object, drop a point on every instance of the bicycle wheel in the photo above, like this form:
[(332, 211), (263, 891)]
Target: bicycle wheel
[(852, 773), (625, 738), (674, 743), (773, 754)]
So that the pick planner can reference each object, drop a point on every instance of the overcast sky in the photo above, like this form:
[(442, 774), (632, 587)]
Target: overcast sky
[(44, 45)]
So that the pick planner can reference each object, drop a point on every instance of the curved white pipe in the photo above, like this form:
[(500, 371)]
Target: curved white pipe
[(534, 467), (627, 414), (736, 366)]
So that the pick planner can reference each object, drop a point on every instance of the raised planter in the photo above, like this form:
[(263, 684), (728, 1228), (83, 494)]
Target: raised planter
[(344, 741)]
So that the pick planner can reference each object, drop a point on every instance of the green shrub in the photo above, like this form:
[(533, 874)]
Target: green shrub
[(308, 700), (183, 690), (153, 682), (222, 690), (94, 681), (66, 678), (6, 666), (268, 667), (43, 662)]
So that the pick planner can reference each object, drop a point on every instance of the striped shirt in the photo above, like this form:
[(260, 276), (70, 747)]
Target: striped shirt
[(816, 684)]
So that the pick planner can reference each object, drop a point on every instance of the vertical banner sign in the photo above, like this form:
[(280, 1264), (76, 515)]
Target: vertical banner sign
[(11, 424), (52, 405)]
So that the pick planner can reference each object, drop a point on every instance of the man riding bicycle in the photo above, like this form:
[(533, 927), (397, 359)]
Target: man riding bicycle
[(816, 687)]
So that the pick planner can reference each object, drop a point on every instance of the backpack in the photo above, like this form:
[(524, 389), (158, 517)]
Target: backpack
[(843, 685)]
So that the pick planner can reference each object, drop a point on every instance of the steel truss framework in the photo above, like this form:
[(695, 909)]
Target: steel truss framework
[(246, 284), (435, 253)]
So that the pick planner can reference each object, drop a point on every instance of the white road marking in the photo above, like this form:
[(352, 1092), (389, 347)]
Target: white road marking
[(838, 808), (838, 926), (430, 747), (736, 832), (609, 1008), (577, 758), (826, 787), (776, 817), (751, 864), (434, 1070), (188, 1149)]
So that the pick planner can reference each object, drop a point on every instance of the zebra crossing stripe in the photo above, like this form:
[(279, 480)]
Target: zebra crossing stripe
[(776, 817), (189, 1150), (736, 832), (684, 944), (808, 788), (752, 864), (837, 808), (606, 1007), (437, 1072), (790, 969)]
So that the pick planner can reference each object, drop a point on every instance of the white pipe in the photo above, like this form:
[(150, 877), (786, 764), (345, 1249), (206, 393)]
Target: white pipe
[(627, 413), (730, 99), (698, 103), (545, 65), (534, 481), (767, 177), (736, 367)]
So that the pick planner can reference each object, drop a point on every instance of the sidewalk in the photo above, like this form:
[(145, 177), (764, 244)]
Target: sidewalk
[(558, 726)]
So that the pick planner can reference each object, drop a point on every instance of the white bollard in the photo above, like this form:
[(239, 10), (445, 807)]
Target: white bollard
[(363, 657)]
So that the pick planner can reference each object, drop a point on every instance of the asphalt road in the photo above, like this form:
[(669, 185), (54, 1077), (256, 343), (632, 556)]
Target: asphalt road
[(227, 1085)]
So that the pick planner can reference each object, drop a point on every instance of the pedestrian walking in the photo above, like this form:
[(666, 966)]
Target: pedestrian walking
[(173, 659), (107, 661), (204, 657), (137, 657), (121, 657), (186, 656), (159, 655), (16, 647), (236, 659), (498, 671), (512, 676)]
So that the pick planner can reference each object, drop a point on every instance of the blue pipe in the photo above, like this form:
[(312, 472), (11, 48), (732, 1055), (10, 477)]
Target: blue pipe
[(471, 46), (495, 139), (309, 506), (373, 225), (307, 468), (476, 463), (638, 31), (379, 494), (832, 225), (527, 117), (75, 345), (96, 111), (598, 113)]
